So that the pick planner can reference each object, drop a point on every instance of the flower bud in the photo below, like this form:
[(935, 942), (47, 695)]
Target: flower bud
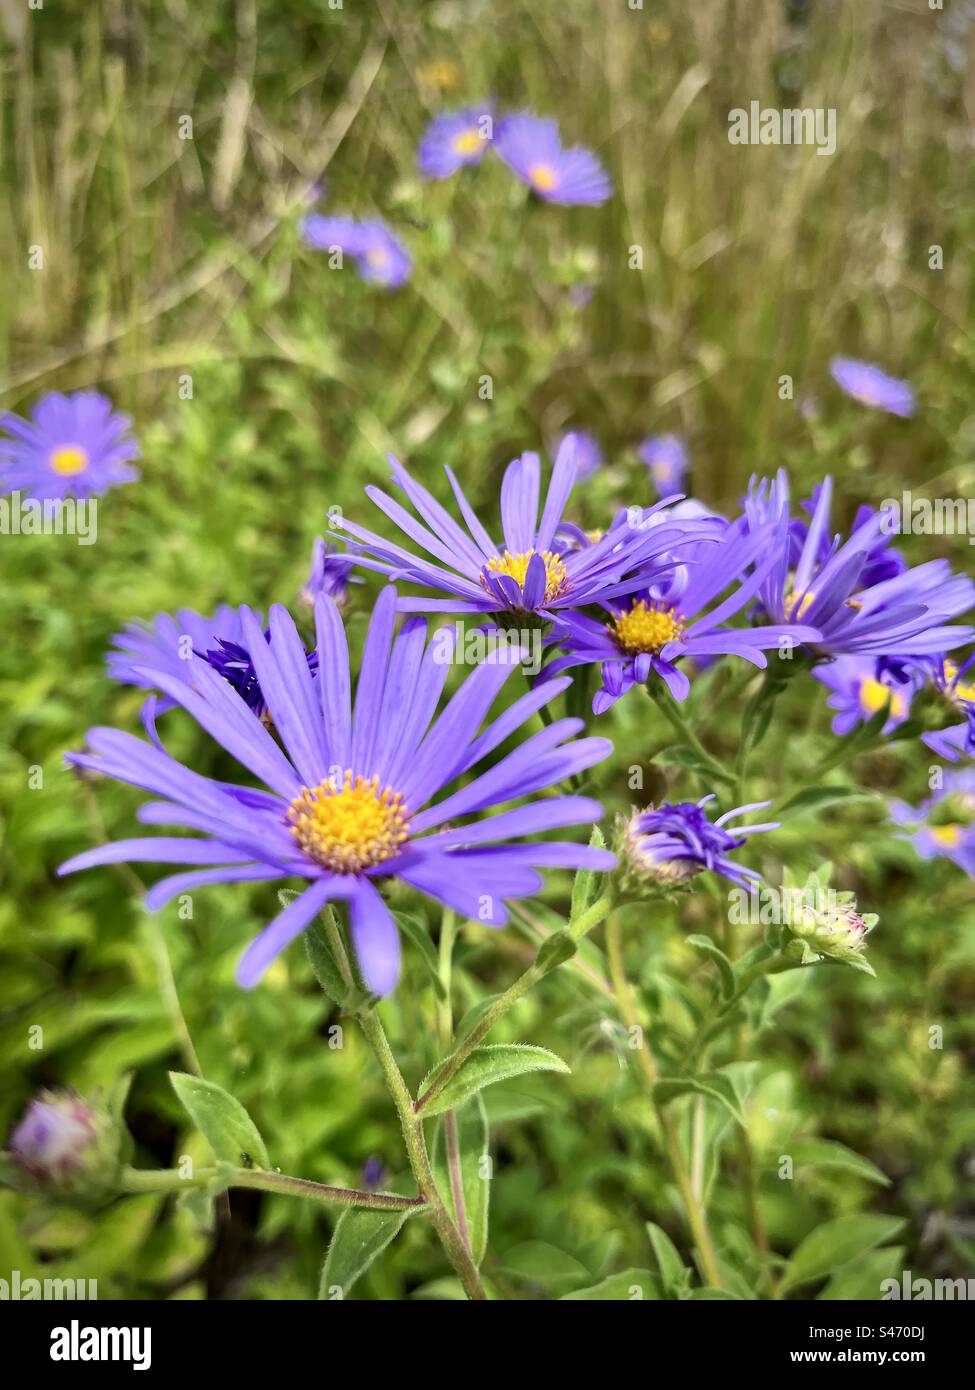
[(66, 1146), (839, 931)]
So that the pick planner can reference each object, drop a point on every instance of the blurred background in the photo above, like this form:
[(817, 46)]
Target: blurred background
[(266, 389)]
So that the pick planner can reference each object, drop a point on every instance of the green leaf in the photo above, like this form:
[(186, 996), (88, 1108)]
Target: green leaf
[(673, 1271), (472, 1144), (862, 1278), (487, 1065), (544, 1264), (827, 1153), (725, 969), (416, 931), (555, 951), (360, 1235), (683, 756), (715, 1085), (835, 1243), (632, 1286), (585, 885), (818, 798), (323, 962), (226, 1125)]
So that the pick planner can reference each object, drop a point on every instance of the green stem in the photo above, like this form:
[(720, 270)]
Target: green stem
[(696, 1217), (171, 1180), (671, 712), (585, 922), (412, 1126), (448, 934)]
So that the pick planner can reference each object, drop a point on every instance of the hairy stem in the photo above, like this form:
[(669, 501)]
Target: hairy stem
[(412, 1126)]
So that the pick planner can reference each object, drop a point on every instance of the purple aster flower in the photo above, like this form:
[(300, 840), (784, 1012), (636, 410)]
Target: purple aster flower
[(870, 386), (945, 821), (861, 690), (383, 259), (651, 631), (667, 845), (882, 560), (955, 682), (897, 617), (527, 574), (454, 139), (348, 793), (379, 255), (72, 446), (329, 574), (666, 458), (141, 650), (532, 149)]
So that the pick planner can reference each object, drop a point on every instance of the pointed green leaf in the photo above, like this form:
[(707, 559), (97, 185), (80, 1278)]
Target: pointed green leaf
[(555, 951), (360, 1235), (827, 1153), (862, 1279), (323, 962), (673, 1271), (835, 1243), (487, 1065), (818, 798), (585, 885), (726, 970), (715, 1085), (226, 1125)]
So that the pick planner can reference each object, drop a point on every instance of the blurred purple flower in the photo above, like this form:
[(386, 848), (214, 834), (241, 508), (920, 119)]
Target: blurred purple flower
[(666, 458), (871, 386), (532, 149), (72, 446), (454, 139)]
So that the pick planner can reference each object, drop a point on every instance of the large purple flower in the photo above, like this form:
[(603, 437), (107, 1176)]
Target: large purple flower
[(651, 631), (347, 797), (533, 150), (72, 446), (454, 139), (871, 386), (379, 255), (671, 843), (528, 574), (900, 616)]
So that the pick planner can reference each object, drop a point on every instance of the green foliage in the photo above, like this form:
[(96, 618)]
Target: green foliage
[(165, 259)]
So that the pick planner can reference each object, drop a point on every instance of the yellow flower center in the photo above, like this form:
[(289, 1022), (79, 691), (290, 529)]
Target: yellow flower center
[(350, 825), (646, 627), (378, 257), (542, 176), (964, 690), (556, 575), (947, 835), (874, 696), (467, 142), (69, 460), (796, 605)]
